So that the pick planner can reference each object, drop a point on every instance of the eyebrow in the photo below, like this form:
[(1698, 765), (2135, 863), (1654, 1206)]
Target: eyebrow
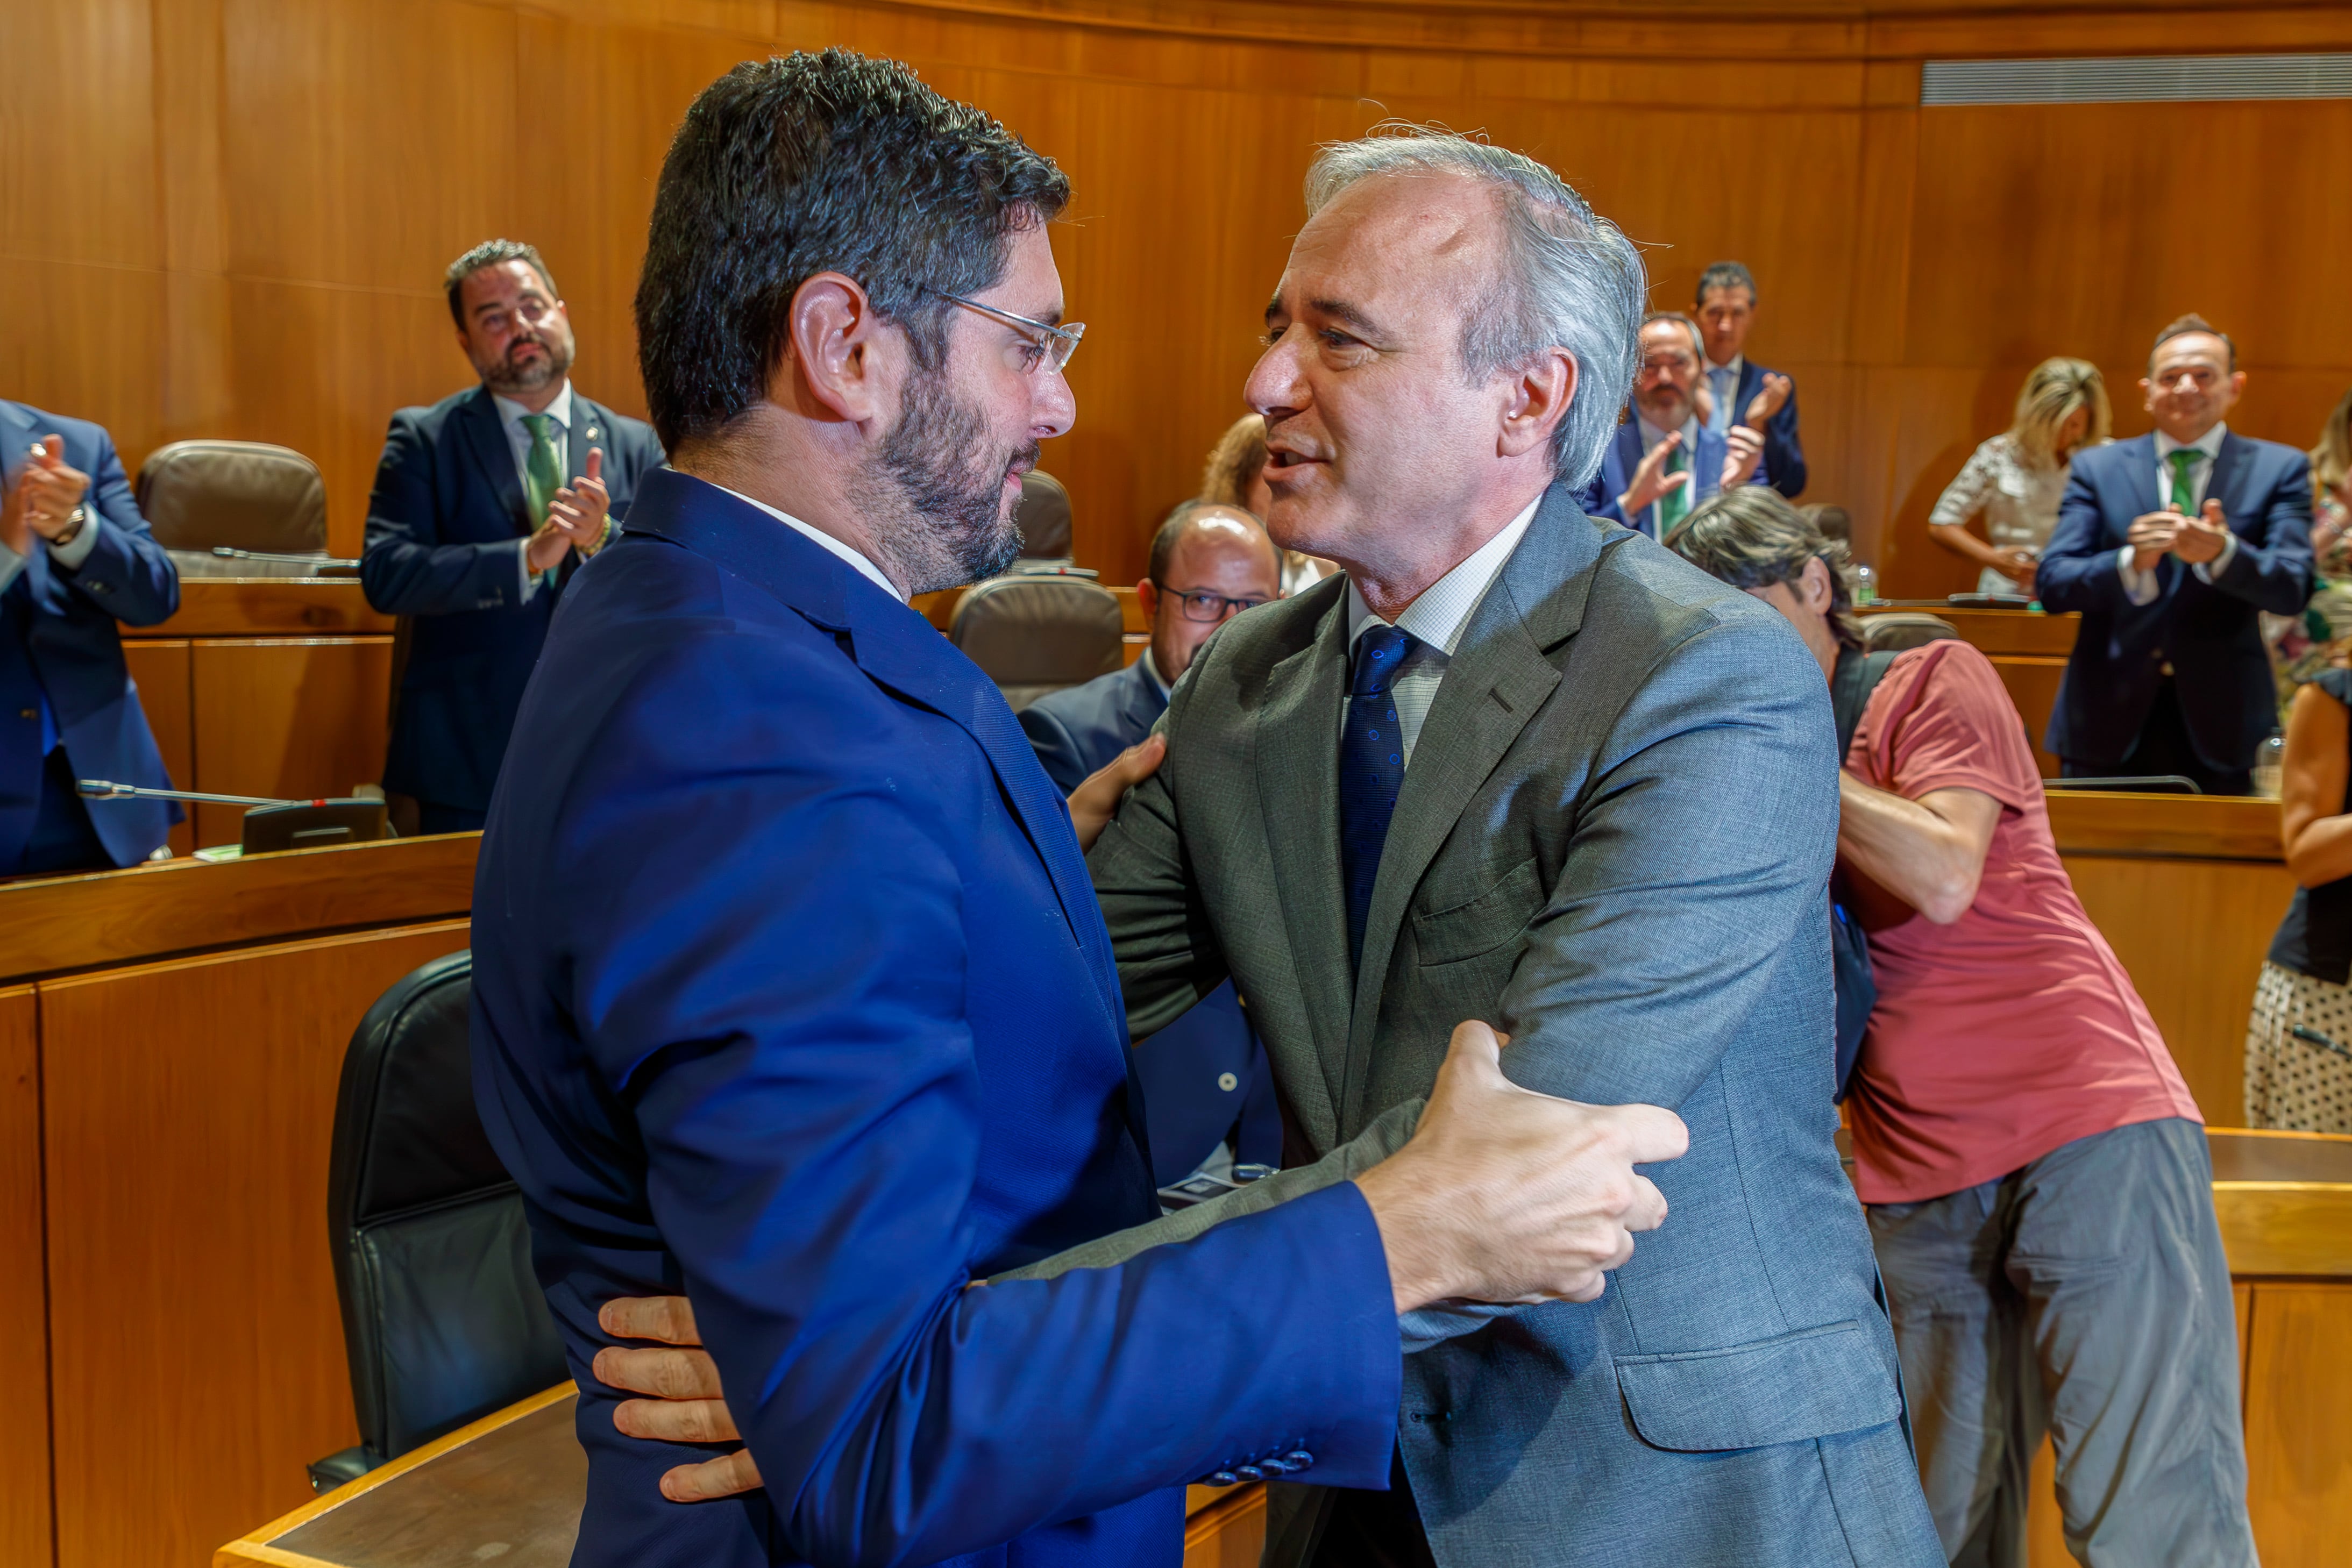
[(1338, 309)]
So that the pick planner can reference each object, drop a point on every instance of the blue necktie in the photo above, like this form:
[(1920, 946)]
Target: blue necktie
[(1727, 390), (1371, 771)]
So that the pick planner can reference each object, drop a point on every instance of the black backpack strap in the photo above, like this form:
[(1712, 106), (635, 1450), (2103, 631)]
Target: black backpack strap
[(1858, 674)]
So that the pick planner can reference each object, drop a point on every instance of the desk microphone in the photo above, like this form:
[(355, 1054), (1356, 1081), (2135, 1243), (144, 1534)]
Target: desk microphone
[(100, 790), (230, 552)]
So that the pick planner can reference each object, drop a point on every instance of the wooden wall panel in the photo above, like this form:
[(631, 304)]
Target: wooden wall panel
[(2299, 1422), (161, 667), (197, 1345), (289, 717), (25, 1434), (2176, 924)]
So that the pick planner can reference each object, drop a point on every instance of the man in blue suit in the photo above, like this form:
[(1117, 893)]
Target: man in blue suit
[(1741, 391), (1664, 461), (791, 990), (2168, 544), (473, 531), (1204, 1076), (75, 558)]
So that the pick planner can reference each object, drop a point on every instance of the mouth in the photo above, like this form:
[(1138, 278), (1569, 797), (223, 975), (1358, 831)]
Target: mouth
[(1284, 464)]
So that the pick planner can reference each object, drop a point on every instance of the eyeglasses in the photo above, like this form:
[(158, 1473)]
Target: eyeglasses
[(1209, 608), (1052, 349)]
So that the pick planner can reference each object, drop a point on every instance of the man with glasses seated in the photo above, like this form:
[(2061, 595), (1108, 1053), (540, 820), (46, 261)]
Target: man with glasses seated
[(1204, 1076)]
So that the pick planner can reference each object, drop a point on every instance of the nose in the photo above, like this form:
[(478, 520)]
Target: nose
[(1053, 406), (1275, 386)]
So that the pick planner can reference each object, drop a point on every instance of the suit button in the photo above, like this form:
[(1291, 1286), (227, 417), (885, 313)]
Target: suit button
[(1249, 1473), (2165, 668), (1298, 1458), (1228, 1082), (97, 587), (1222, 1478), (29, 713)]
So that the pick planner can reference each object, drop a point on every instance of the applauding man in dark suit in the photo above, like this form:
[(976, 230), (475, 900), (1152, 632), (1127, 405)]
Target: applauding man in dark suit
[(75, 559), (1741, 392), (1204, 1076), (484, 505), (2168, 544)]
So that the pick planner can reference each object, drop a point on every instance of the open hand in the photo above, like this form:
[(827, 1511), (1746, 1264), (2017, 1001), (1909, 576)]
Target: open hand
[(1778, 389), (1096, 801), (2152, 536), (2201, 539), (1743, 449), (575, 517), (684, 1403), (41, 501), (1651, 480)]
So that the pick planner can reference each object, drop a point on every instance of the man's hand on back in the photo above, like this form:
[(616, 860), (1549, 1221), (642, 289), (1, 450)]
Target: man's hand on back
[(1506, 1194)]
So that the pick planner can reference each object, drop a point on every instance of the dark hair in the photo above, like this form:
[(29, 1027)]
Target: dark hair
[(1751, 537), (489, 253), (818, 162), (1834, 521), (1697, 338), (1724, 275), (2181, 326), (1180, 517)]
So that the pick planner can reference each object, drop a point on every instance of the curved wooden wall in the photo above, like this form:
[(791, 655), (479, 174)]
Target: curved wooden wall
[(228, 217)]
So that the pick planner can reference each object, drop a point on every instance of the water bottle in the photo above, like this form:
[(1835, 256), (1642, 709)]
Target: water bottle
[(2270, 767), (1865, 584)]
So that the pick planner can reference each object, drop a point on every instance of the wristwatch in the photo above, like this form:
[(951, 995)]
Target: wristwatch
[(75, 521)]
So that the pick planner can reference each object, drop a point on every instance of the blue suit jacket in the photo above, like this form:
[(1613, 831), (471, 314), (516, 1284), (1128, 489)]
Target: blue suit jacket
[(1783, 467), (791, 990), (2207, 631), (1624, 453), (1207, 1069), (442, 528), (58, 634)]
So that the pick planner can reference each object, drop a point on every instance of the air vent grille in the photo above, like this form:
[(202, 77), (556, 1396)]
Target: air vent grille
[(2137, 79)]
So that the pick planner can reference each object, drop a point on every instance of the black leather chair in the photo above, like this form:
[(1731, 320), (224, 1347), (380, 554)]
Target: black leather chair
[(443, 1319), (247, 495)]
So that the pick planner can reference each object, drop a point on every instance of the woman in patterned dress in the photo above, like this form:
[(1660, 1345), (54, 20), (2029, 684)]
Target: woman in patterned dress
[(2302, 645), (2017, 478), (2299, 1041)]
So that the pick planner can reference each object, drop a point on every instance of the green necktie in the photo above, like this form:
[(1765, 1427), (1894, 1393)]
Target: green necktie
[(542, 475), (2184, 486), (1674, 504)]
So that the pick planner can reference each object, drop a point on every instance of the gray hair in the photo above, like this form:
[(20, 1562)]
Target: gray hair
[(1750, 538), (1570, 280)]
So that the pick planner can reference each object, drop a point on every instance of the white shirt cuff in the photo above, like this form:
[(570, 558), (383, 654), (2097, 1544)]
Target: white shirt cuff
[(76, 550), (2139, 587), (522, 564), (2206, 571)]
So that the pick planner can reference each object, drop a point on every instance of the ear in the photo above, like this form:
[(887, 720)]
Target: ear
[(2237, 385), (1818, 595), (1537, 400), (2148, 392), (1146, 599), (839, 362)]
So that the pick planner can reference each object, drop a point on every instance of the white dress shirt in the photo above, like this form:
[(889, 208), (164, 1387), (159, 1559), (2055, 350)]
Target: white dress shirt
[(2141, 587), (1435, 621), (822, 541), (510, 419), (1723, 380), (1151, 672)]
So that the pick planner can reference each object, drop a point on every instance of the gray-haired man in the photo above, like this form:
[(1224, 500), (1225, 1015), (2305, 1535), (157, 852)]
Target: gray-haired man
[(1483, 775)]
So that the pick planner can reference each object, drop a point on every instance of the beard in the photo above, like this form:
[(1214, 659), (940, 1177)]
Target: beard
[(508, 375), (935, 493)]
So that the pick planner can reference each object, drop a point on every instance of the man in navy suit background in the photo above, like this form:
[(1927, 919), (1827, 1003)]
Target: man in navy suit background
[(75, 559), (473, 530), (2169, 544), (1743, 391), (1204, 1076), (790, 989), (1665, 460)]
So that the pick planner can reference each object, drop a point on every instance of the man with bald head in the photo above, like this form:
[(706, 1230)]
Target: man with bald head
[(1665, 461), (1207, 1096)]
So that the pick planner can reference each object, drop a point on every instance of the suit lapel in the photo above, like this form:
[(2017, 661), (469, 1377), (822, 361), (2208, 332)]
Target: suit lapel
[(2225, 472), (1500, 675), (1706, 466), (1297, 758), (478, 416)]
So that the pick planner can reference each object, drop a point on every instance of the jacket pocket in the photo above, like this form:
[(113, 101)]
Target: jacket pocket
[(1480, 925), (1810, 1384)]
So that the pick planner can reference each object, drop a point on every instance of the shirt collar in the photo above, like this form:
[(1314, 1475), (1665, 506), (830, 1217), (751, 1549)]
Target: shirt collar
[(823, 540), (510, 412), (1437, 618), (2209, 443), (1738, 363), (1151, 671), (1652, 435)]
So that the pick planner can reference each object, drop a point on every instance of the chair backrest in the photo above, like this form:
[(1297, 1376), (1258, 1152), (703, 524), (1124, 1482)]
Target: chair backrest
[(246, 494), (443, 1318), (1037, 634), (1043, 516), (1900, 629)]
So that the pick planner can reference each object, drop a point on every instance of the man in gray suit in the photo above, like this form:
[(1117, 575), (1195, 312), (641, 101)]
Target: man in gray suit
[(1528, 766)]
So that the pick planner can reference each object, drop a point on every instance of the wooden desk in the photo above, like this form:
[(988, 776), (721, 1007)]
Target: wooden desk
[(2027, 647), (170, 1037), (2188, 890), (264, 686), (509, 1489)]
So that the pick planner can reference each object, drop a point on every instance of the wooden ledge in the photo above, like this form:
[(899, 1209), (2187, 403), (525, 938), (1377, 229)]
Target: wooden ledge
[(268, 607), (52, 924), (2166, 827)]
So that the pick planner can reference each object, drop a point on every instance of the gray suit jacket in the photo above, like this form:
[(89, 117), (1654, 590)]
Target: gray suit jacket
[(1614, 842)]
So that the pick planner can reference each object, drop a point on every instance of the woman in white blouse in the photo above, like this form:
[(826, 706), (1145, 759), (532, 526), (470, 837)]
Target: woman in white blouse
[(2017, 478)]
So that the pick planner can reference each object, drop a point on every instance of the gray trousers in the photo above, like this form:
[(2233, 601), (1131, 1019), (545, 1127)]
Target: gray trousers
[(2086, 1296)]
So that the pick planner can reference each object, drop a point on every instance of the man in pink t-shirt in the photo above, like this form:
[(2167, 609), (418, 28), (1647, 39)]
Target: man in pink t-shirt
[(2036, 1175)]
